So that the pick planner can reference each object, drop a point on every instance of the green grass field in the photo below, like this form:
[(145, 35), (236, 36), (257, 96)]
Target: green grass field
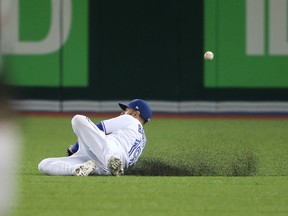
[(189, 167)]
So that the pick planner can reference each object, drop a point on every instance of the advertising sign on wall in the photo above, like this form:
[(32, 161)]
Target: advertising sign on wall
[(249, 39), (45, 42)]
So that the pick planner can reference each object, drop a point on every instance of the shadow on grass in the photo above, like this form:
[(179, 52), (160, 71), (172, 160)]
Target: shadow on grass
[(242, 164), (155, 167)]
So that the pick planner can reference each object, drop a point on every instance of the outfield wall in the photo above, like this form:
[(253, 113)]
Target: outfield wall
[(60, 54)]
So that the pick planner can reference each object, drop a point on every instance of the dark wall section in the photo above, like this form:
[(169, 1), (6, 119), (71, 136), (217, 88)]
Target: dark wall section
[(149, 49)]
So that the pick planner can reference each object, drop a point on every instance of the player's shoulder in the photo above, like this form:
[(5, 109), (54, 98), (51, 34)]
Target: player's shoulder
[(130, 119), (127, 117)]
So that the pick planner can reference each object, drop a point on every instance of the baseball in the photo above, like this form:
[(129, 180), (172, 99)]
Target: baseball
[(208, 55)]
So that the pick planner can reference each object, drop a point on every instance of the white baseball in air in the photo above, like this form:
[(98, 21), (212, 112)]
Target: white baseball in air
[(208, 55)]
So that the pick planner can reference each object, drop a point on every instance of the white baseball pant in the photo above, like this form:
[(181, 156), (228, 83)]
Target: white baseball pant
[(93, 145)]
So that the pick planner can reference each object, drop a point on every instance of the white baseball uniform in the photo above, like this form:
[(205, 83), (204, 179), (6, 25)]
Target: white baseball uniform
[(123, 137)]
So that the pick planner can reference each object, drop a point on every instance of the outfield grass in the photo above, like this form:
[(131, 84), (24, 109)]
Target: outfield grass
[(189, 167)]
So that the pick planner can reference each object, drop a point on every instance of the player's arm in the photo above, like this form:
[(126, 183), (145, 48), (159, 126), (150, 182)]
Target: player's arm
[(116, 123)]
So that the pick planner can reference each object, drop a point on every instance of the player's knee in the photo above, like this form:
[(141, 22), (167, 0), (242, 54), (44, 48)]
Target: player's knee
[(42, 165), (77, 120)]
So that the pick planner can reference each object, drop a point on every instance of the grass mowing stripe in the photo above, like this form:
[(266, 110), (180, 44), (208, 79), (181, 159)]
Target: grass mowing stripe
[(132, 195), (201, 147)]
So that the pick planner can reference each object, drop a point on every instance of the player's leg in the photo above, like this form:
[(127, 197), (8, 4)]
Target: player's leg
[(72, 149), (92, 140), (66, 166)]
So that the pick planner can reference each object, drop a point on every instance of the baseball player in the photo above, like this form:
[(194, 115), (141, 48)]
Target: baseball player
[(107, 148)]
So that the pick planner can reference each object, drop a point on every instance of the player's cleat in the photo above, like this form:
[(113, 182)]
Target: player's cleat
[(85, 169), (115, 166)]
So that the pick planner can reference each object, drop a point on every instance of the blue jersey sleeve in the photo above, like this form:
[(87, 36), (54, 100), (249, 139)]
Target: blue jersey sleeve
[(100, 126)]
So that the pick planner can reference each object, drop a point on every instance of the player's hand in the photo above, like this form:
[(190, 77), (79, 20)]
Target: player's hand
[(69, 151)]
